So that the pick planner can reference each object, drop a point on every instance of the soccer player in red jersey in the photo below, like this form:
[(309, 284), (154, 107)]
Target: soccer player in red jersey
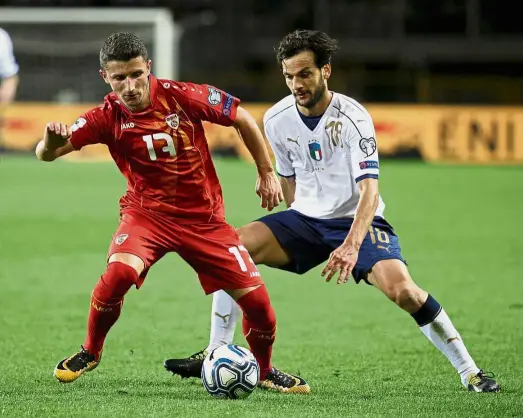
[(153, 130)]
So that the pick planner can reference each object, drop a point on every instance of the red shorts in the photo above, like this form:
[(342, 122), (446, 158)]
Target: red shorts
[(213, 249)]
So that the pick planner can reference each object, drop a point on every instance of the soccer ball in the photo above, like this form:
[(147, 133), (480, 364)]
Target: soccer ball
[(230, 371)]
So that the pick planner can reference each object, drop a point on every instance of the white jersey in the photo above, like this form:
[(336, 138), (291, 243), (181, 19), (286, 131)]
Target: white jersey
[(328, 161), (8, 65)]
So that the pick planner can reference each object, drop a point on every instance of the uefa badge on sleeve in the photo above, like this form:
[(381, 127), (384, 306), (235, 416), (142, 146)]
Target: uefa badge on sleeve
[(80, 123), (215, 96), (368, 146)]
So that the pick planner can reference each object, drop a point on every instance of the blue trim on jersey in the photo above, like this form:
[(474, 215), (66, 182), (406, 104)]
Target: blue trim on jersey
[(310, 121), (366, 176), (287, 177)]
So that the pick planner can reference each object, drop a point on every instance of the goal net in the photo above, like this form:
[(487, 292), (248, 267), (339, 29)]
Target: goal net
[(57, 48)]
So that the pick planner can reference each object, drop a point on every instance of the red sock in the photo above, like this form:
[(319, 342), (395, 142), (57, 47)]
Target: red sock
[(106, 304), (259, 326)]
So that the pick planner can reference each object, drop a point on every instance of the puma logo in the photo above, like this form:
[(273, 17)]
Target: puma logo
[(294, 140), (387, 248), (456, 338), (223, 317)]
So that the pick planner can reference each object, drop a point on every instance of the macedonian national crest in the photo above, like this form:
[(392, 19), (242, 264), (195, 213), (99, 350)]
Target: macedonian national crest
[(173, 121), (120, 239)]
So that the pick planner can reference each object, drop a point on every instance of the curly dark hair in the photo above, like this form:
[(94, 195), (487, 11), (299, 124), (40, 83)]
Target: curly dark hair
[(321, 44), (122, 46)]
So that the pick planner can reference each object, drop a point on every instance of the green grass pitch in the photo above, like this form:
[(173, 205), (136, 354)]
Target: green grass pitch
[(461, 229)]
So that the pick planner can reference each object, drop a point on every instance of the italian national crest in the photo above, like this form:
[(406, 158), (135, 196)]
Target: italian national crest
[(315, 150)]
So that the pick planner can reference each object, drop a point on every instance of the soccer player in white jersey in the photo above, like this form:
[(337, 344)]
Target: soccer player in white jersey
[(8, 75), (327, 159)]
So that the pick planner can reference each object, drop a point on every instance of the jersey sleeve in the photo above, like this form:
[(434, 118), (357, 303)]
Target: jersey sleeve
[(92, 127), (284, 166), (212, 104), (8, 65), (361, 140)]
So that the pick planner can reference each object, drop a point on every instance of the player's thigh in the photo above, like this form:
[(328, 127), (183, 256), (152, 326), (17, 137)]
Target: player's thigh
[(295, 243), (239, 293), (215, 252), (130, 259), (137, 242), (394, 280), (262, 245), (390, 274)]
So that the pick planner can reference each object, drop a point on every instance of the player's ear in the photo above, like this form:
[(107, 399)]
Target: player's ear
[(149, 65), (326, 71), (103, 74)]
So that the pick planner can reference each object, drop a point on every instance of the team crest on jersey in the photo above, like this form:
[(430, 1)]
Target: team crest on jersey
[(315, 150), (215, 96), (173, 121), (368, 146), (120, 239)]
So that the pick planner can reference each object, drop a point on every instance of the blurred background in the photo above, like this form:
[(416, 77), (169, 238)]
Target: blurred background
[(408, 51), (466, 53)]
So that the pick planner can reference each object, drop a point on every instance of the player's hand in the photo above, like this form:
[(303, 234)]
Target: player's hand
[(57, 133), (269, 189), (342, 259)]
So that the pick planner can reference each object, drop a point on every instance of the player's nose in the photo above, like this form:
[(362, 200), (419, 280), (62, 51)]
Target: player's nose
[(130, 84), (296, 85)]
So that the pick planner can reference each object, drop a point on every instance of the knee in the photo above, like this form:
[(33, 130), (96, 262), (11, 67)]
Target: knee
[(267, 317), (407, 296), (116, 281)]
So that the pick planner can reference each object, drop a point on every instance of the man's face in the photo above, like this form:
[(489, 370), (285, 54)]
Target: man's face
[(305, 80), (129, 80)]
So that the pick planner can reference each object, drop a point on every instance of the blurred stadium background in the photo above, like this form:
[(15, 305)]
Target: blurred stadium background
[(401, 52), (443, 81)]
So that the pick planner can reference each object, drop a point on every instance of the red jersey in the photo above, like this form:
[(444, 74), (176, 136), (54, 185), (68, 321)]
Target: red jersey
[(162, 151)]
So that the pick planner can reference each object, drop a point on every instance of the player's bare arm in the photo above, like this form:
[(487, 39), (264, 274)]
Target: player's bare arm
[(55, 142), (345, 257), (288, 185), (8, 88), (267, 185)]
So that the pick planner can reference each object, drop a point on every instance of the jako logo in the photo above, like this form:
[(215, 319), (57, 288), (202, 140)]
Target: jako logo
[(100, 308), (127, 125)]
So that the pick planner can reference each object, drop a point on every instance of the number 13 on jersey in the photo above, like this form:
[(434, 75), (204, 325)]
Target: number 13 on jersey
[(169, 148)]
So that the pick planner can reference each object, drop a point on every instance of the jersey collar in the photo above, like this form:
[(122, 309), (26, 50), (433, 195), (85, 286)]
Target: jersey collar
[(298, 114)]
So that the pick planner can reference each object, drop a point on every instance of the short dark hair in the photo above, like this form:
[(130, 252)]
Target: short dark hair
[(122, 46), (321, 44)]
